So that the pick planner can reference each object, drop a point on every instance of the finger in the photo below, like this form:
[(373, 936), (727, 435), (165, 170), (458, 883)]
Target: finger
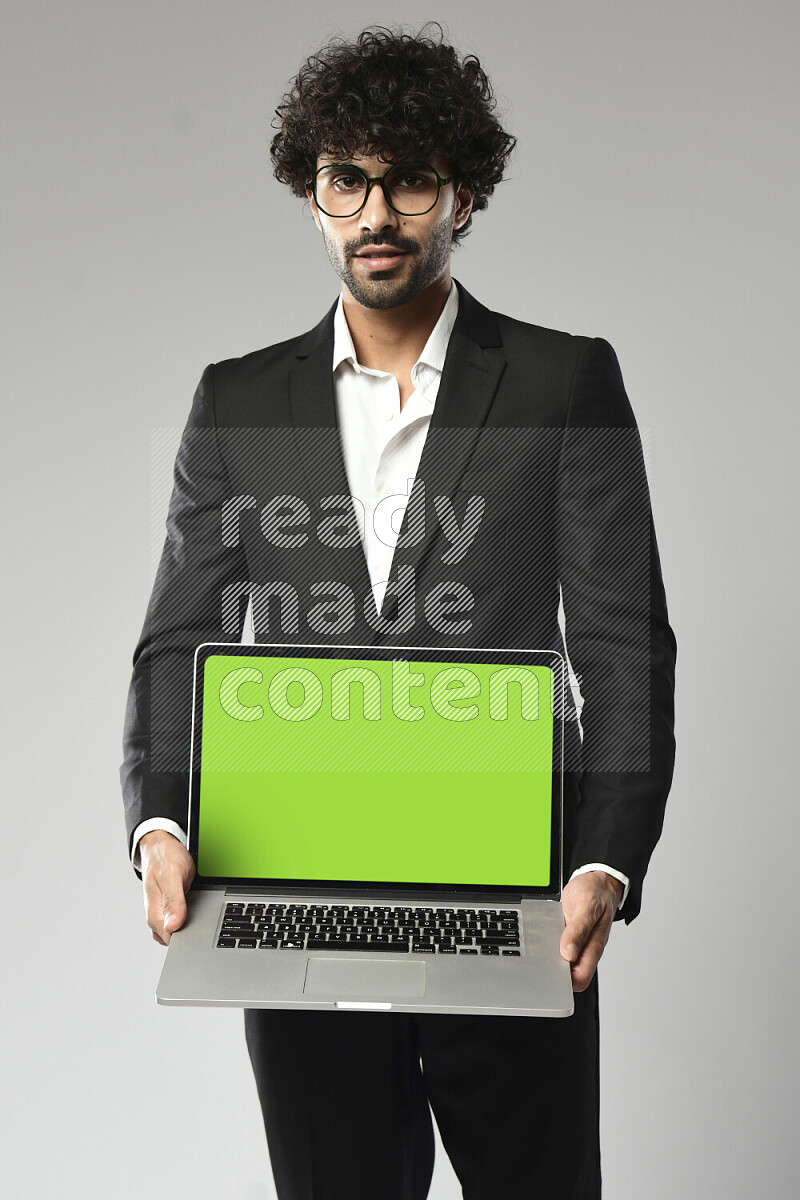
[(152, 906), (582, 971), (577, 931), (173, 906), (165, 904)]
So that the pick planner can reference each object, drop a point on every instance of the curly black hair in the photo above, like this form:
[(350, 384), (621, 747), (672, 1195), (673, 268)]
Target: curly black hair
[(399, 95)]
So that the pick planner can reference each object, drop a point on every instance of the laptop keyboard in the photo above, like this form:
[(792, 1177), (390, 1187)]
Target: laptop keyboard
[(397, 930)]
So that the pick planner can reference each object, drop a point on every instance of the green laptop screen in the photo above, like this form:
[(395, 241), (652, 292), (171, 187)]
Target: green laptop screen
[(375, 770)]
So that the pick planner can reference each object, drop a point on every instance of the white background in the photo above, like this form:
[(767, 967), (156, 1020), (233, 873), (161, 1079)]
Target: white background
[(652, 201)]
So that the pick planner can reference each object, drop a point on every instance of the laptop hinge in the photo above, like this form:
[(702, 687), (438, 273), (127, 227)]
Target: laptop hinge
[(375, 897)]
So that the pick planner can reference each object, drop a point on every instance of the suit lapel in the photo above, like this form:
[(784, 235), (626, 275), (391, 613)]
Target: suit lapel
[(313, 407), (473, 367)]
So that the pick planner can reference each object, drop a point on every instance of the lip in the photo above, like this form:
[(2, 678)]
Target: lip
[(381, 262)]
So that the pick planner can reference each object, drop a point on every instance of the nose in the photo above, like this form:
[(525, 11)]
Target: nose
[(377, 214)]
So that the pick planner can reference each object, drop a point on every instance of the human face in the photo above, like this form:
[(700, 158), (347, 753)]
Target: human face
[(421, 244)]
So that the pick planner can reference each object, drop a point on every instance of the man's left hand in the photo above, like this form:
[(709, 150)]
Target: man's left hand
[(589, 902)]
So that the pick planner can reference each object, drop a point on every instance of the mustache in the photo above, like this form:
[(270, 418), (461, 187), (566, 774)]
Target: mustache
[(405, 244)]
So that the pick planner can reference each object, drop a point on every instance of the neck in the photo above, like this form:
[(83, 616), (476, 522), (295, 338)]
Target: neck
[(386, 336)]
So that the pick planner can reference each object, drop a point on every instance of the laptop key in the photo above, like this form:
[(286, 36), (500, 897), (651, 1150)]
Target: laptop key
[(226, 941), (368, 947)]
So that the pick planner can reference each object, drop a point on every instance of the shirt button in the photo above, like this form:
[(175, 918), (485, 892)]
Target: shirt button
[(387, 491)]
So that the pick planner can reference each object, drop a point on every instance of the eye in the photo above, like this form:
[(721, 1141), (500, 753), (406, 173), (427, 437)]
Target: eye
[(344, 182), (410, 180)]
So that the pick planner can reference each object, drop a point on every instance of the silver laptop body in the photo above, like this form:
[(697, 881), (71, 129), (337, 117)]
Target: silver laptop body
[(465, 947)]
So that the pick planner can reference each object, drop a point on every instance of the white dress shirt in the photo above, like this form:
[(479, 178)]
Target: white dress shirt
[(381, 447)]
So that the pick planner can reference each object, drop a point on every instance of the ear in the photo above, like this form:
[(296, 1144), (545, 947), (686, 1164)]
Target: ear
[(314, 209), (464, 200)]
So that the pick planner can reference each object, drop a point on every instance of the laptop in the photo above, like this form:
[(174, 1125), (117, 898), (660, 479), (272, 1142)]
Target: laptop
[(376, 828)]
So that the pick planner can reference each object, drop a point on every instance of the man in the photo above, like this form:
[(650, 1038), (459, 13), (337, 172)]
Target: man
[(394, 141)]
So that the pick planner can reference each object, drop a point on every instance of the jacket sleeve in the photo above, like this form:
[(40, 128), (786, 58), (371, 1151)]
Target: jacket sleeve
[(618, 635), (185, 610)]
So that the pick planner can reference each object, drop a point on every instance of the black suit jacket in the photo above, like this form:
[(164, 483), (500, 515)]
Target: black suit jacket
[(533, 449)]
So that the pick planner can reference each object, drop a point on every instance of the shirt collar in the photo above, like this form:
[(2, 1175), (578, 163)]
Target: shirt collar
[(433, 352)]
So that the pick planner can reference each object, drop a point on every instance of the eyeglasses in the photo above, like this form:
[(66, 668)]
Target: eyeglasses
[(411, 189)]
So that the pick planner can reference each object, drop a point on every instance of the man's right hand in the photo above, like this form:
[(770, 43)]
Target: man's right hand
[(167, 872)]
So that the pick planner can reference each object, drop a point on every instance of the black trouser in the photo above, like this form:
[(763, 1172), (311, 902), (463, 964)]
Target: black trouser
[(345, 1102)]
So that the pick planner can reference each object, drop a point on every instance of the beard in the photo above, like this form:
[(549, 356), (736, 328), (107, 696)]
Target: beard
[(380, 290)]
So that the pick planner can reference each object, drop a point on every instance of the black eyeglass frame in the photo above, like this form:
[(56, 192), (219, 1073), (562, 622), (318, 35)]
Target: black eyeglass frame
[(311, 185)]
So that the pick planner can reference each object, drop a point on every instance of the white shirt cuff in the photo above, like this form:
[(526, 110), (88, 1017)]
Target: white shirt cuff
[(626, 883), (148, 827)]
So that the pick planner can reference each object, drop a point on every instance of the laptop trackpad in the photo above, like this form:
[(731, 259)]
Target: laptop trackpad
[(364, 980)]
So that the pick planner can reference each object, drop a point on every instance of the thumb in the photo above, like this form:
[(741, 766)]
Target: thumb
[(173, 907), (574, 938)]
